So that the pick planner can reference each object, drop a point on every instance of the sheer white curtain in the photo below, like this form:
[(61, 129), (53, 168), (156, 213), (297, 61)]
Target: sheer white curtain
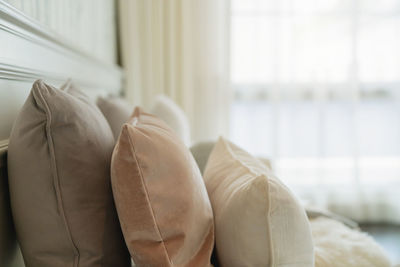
[(179, 48), (317, 89)]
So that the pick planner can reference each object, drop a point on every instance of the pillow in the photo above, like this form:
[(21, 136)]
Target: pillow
[(201, 151), (59, 173), (173, 116), (116, 110), (258, 221), (161, 199)]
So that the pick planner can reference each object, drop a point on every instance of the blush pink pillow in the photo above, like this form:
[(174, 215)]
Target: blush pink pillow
[(161, 199)]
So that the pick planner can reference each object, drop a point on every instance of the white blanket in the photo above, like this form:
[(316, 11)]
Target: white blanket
[(337, 245)]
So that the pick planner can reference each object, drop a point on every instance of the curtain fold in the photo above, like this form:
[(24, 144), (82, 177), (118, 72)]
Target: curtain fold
[(179, 48)]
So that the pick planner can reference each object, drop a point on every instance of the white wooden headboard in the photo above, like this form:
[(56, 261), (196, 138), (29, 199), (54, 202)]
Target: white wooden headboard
[(30, 51)]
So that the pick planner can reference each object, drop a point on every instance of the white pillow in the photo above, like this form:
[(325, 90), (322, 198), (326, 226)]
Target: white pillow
[(258, 220), (116, 110), (166, 109)]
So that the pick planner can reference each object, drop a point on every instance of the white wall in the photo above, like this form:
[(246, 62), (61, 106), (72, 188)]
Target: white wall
[(88, 25)]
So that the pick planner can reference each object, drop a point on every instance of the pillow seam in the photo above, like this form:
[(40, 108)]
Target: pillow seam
[(133, 151), (269, 198), (56, 180)]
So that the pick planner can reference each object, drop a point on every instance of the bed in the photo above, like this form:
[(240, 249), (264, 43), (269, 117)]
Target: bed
[(29, 52)]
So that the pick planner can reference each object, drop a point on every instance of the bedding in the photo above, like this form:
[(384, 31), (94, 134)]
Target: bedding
[(116, 110), (167, 110), (258, 220), (161, 199), (337, 245), (201, 151), (59, 158), (316, 212), (353, 248)]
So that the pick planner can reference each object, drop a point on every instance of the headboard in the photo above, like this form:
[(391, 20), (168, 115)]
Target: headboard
[(30, 51)]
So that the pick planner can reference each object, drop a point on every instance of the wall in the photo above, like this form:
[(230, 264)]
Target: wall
[(88, 25)]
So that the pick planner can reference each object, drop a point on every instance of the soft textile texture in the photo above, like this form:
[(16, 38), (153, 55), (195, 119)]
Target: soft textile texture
[(59, 173), (201, 151), (179, 49), (337, 245), (315, 212), (116, 110), (173, 116), (161, 199), (258, 221)]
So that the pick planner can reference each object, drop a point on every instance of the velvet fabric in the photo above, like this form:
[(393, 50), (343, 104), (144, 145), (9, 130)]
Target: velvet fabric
[(161, 199), (168, 111), (59, 174), (116, 110)]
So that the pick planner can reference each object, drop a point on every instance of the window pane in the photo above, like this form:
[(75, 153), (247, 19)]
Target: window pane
[(317, 6), (243, 6), (378, 131), (252, 128), (338, 129), (322, 49), (298, 130), (380, 7), (252, 50), (378, 49)]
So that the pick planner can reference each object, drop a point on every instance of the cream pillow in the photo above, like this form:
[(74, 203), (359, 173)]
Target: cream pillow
[(116, 110), (201, 151), (168, 111), (258, 220)]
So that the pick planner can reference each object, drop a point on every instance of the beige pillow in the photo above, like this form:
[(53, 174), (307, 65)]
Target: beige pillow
[(116, 110), (167, 110), (201, 151), (59, 173), (258, 220), (161, 199)]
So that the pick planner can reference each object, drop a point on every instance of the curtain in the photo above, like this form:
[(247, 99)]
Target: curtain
[(179, 48), (317, 90)]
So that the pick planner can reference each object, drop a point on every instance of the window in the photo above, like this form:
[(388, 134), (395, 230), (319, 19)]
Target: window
[(317, 90)]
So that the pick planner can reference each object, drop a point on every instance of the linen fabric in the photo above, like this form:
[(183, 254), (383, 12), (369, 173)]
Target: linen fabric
[(258, 220), (202, 150), (161, 199), (116, 110), (186, 57), (59, 175)]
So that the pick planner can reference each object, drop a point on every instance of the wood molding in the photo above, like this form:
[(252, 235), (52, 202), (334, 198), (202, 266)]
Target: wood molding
[(18, 73), (17, 18), (61, 59)]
